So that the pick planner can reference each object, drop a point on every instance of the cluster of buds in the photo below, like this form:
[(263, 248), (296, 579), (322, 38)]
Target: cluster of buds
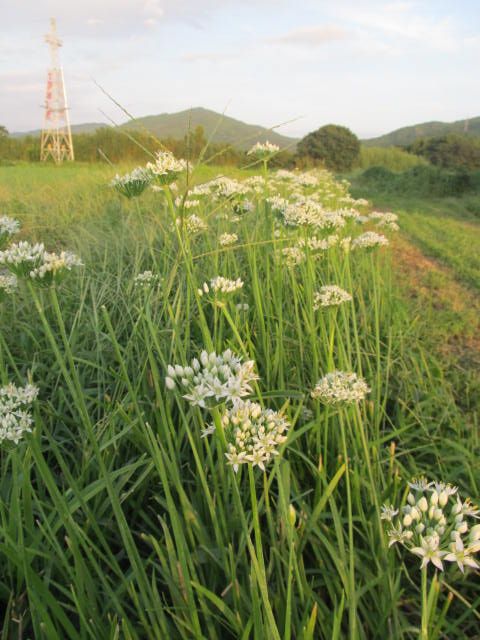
[(15, 419), (132, 184), (369, 240), (263, 149), (221, 286), (434, 525), (213, 378), (227, 239), (166, 168), (253, 434), (145, 280), (340, 387), (8, 284), (330, 296), (192, 224), (8, 228), (32, 261)]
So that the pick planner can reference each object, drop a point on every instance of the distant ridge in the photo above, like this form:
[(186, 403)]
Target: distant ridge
[(87, 127), (223, 129), (407, 135)]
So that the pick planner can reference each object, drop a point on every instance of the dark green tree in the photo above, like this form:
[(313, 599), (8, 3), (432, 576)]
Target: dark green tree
[(451, 151), (335, 146)]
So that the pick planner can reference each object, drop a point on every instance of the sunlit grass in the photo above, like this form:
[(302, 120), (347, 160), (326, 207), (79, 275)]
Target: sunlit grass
[(119, 520)]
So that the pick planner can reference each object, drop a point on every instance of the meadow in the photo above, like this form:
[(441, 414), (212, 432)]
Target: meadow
[(162, 492)]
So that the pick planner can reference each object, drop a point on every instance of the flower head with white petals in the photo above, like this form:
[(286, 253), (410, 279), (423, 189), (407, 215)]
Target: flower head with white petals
[(213, 378), (434, 525)]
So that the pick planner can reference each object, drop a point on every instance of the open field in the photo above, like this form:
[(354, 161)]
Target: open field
[(121, 518)]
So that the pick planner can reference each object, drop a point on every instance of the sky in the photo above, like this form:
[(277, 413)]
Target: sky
[(370, 65)]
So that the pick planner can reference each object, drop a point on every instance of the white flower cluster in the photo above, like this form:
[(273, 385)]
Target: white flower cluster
[(318, 244), (309, 212), (263, 149), (166, 167), (293, 256), (369, 240), (253, 434), (213, 378), (193, 224), (8, 228), (187, 204), (15, 419), (8, 283), (221, 285), (277, 204), (132, 184), (388, 220), (22, 257), (227, 239), (340, 387), (145, 279), (434, 525), (223, 187), (255, 183), (33, 261), (54, 267), (330, 296)]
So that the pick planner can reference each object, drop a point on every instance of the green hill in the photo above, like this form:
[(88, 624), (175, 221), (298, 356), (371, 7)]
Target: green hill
[(407, 135), (87, 127), (223, 129)]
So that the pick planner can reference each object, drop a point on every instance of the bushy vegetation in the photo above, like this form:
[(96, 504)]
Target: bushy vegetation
[(451, 151), (335, 146), (420, 181), (118, 519), (391, 158)]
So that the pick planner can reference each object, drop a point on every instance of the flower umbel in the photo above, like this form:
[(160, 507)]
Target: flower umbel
[(434, 525), (15, 419), (330, 296), (339, 386), (8, 228), (132, 184), (253, 434), (213, 378)]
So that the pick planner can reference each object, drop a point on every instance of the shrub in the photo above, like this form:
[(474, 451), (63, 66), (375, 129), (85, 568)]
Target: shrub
[(337, 147)]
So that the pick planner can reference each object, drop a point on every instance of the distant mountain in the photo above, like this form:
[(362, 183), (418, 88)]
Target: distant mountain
[(223, 129), (407, 135), (87, 127)]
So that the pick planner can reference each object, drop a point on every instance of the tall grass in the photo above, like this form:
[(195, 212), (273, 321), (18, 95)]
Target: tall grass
[(118, 520), (392, 158)]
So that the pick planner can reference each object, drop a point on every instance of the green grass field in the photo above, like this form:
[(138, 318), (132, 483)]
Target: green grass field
[(119, 520)]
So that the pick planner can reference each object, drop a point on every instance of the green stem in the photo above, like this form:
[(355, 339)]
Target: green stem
[(424, 629)]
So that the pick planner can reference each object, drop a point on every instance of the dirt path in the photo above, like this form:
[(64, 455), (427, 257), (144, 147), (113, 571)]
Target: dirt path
[(454, 308)]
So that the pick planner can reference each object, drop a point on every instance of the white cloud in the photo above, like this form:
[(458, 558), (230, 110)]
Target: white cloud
[(311, 36)]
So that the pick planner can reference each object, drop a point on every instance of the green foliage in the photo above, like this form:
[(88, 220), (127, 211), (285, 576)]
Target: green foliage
[(335, 146), (391, 158), (119, 521), (420, 181), (450, 151)]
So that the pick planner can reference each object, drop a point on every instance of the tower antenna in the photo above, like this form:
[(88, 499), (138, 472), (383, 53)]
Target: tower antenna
[(56, 142)]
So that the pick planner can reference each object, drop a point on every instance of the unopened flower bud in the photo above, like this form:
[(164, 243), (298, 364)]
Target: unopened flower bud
[(443, 498), (422, 504), (411, 499), (292, 515), (434, 498), (407, 520)]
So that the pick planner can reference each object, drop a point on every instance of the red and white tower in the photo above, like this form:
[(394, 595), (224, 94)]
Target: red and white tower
[(56, 140)]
